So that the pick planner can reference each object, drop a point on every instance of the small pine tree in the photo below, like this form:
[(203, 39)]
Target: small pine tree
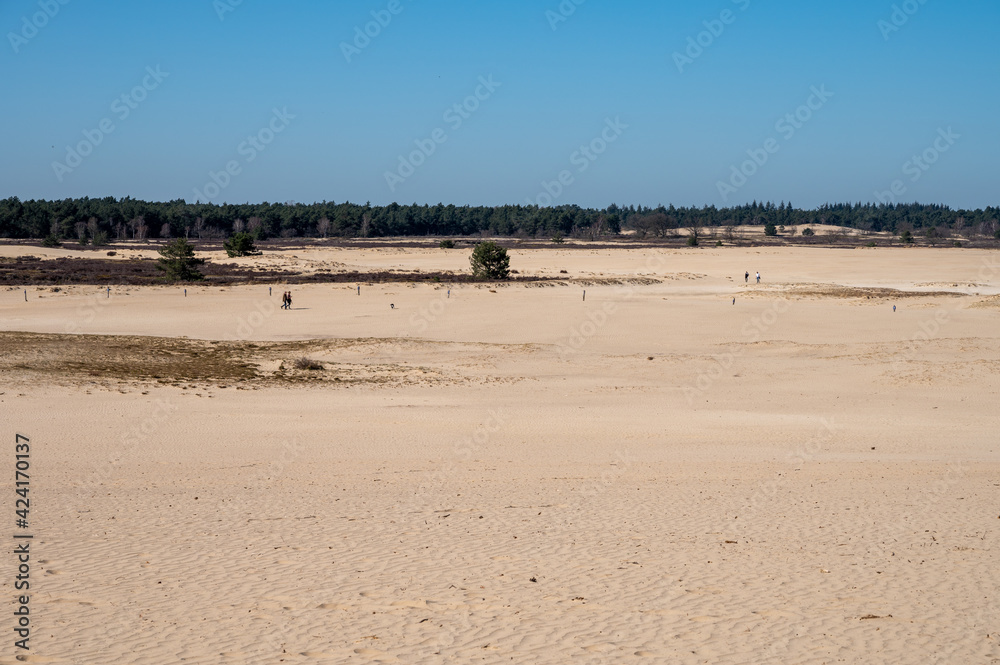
[(51, 240), (447, 244), (906, 237), (490, 261), (179, 263), (770, 229), (240, 244), (808, 232)]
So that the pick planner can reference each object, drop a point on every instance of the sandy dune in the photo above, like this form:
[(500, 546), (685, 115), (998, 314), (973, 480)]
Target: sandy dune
[(514, 474)]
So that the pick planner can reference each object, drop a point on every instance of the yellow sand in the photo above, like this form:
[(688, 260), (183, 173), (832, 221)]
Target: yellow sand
[(651, 475)]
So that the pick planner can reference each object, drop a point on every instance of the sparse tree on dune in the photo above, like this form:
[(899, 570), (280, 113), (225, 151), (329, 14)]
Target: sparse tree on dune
[(178, 261)]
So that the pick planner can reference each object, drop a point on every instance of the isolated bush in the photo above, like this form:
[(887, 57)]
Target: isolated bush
[(692, 241), (808, 232), (557, 238), (906, 236), (100, 239), (178, 261), (51, 241), (770, 230), (240, 244), (447, 244), (308, 363), (490, 261)]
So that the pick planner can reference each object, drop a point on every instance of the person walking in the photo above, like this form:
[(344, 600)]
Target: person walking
[(289, 300), (746, 277), (758, 277)]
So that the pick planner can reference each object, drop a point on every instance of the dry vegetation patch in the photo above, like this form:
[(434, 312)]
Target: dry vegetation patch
[(136, 360)]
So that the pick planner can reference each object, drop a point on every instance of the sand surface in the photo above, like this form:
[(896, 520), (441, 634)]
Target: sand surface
[(515, 474)]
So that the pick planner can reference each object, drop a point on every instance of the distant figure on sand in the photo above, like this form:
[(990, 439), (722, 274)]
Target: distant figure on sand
[(894, 308), (746, 277), (289, 300), (734, 301), (758, 277), (286, 300)]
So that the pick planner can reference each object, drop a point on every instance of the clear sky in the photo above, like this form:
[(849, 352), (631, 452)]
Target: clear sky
[(270, 90)]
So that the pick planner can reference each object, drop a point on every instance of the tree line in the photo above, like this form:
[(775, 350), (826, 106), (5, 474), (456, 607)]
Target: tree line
[(99, 220)]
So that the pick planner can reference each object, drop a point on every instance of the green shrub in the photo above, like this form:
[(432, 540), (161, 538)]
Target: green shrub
[(490, 261), (447, 244), (558, 237), (240, 244), (808, 232), (770, 230), (692, 241), (179, 263), (51, 240), (906, 236)]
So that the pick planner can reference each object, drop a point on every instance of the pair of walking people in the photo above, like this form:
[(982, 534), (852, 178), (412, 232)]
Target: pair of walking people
[(286, 300), (746, 277)]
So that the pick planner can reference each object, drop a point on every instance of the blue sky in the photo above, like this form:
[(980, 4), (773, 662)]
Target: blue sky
[(560, 76)]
